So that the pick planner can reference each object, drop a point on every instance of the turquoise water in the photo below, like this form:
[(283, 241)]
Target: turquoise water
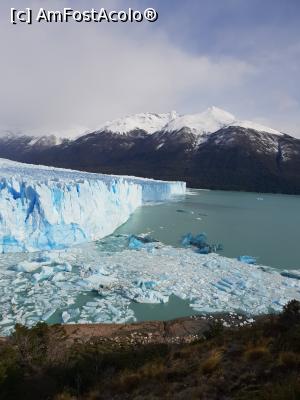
[(174, 308), (265, 226)]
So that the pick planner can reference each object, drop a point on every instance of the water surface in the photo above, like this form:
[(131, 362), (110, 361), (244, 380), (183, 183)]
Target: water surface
[(266, 226)]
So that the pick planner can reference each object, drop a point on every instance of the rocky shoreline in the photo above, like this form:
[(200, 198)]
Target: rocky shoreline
[(180, 330)]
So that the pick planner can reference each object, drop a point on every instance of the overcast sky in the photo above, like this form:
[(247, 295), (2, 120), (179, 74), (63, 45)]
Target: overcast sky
[(240, 55)]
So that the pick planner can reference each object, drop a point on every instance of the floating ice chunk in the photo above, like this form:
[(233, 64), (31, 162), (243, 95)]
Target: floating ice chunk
[(97, 281), (63, 267), (58, 277), (145, 285), (247, 259), (200, 242), (71, 313), (41, 258), (46, 272), (65, 316), (294, 274), (150, 296), (101, 270), (140, 242), (204, 250), (48, 314), (6, 321), (27, 266), (135, 243)]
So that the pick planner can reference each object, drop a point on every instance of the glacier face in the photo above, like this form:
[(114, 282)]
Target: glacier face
[(44, 208)]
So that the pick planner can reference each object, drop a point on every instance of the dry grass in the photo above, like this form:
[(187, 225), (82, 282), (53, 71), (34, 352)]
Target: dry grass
[(258, 350), (150, 371), (288, 359), (153, 370), (256, 353), (64, 396), (212, 362)]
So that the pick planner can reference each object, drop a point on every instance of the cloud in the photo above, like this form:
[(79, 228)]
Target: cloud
[(65, 77)]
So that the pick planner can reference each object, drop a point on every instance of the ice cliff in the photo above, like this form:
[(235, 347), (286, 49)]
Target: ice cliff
[(44, 208)]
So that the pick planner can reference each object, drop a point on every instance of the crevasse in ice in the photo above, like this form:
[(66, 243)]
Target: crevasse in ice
[(51, 208)]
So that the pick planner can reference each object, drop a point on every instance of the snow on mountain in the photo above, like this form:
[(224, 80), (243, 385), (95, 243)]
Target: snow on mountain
[(51, 208), (212, 120), (50, 140), (32, 140), (256, 127), (8, 134), (148, 122), (208, 121)]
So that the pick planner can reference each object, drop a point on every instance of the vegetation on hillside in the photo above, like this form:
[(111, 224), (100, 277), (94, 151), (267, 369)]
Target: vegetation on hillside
[(259, 361)]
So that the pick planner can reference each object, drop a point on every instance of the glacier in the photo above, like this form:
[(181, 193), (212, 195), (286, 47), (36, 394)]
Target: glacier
[(53, 270), (44, 208)]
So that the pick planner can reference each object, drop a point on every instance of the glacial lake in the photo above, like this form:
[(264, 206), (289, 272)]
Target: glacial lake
[(265, 226)]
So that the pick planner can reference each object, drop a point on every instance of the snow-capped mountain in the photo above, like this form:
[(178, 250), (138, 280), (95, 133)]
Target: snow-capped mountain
[(208, 121), (212, 149), (148, 122)]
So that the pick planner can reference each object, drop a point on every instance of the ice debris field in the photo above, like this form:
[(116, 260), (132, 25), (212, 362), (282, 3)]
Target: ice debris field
[(47, 210), (88, 284), (44, 208)]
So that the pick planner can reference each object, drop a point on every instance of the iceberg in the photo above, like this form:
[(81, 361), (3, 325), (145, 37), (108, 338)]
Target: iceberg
[(247, 259), (44, 208), (27, 266), (293, 274), (45, 273), (200, 242), (141, 242), (97, 281)]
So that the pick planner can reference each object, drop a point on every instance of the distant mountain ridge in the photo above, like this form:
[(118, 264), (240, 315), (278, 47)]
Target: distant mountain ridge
[(211, 149), (208, 121)]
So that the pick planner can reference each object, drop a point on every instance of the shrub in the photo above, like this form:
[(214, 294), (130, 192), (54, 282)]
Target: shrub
[(257, 353), (212, 362), (291, 313), (216, 330), (288, 359)]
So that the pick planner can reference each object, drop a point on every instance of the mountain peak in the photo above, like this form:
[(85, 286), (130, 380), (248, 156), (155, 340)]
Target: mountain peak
[(208, 121), (218, 113), (149, 122)]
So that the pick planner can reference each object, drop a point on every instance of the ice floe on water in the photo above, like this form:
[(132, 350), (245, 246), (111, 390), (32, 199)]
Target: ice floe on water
[(97, 282)]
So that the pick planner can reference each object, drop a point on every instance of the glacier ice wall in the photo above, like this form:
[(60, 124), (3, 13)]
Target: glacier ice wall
[(51, 208)]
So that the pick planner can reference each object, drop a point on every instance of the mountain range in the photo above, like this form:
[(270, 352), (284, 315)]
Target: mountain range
[(211, 150)]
